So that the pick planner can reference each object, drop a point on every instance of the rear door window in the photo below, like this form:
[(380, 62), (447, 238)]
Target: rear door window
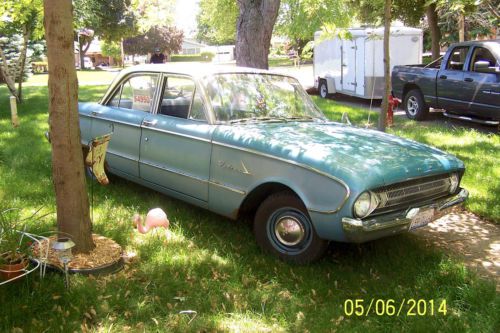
[(457, 58), (136, 93)]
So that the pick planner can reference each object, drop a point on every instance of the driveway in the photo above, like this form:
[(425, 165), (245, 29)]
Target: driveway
[(468, 237)]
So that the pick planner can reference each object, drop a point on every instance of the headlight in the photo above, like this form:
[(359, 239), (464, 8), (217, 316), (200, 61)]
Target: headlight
[(454, 181), (365, 204)]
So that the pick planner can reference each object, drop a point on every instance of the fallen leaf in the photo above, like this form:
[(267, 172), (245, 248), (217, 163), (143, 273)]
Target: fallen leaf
[(105, 306)]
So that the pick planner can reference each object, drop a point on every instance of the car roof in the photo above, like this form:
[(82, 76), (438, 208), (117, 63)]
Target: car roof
[(196, 70)]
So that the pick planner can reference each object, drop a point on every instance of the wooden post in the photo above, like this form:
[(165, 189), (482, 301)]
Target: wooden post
[(122, 53), (13, 111)]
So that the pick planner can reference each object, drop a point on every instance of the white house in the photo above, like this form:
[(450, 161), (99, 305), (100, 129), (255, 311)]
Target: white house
[(191, 46), (223, 53)]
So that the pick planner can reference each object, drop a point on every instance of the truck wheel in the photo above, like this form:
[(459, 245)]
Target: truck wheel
[(415, 106), (323, 89), (282, 226)]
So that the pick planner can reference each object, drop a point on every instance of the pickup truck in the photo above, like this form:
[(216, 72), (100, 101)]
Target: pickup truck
[(465, 83)]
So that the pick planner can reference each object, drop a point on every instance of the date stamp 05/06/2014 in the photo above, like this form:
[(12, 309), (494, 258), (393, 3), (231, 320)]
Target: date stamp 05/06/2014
[(392, 307)]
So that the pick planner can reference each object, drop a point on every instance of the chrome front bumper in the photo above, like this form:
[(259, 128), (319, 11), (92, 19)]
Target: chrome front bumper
[(359, 231)]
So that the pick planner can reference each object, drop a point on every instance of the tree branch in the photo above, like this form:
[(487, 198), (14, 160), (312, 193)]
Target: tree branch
[(494, 10), (4, 69)]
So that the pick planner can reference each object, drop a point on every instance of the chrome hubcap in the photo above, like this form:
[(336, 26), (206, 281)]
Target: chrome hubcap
[(412, 105), (289, 231)]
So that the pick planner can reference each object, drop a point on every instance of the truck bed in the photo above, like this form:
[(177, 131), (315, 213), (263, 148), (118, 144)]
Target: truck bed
[(418, 75)]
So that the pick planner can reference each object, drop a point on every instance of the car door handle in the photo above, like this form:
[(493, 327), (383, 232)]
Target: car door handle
[(444, 77), (468, 79), (94, 113), (149, 122)]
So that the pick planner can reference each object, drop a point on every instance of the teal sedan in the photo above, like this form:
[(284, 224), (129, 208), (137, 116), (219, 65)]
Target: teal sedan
[(240, 141)]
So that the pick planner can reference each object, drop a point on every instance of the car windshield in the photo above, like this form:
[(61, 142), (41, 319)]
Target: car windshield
[(248, 97)]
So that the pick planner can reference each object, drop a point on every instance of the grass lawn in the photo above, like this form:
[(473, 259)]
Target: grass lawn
[(284, 61), (213, 266), (85, 77), (280, 61)]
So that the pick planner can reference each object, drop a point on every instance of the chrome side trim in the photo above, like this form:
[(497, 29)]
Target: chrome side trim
[(97, 117), (176, 134), (319, 211), (232, 189), (340, 181), (205, 181), (123, 156), (174, 171)]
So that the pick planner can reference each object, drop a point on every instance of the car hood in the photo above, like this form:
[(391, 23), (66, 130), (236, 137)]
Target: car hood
[(358, 156)]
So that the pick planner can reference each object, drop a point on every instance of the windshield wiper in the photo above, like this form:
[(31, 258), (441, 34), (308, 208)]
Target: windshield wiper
[(257, 119), (242, 120), (273, 119), (302, 118)]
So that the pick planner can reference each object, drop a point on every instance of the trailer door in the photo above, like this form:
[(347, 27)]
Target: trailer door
[(349, 65)]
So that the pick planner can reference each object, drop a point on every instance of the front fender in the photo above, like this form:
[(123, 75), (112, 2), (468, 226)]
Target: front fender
[(235, 173)]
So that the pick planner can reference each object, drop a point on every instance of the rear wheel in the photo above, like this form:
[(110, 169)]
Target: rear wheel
[(282, 226), (323, 89), (415, 105)]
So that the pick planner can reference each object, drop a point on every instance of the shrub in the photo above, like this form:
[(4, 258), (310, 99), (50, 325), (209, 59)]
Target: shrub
[(205, 56)]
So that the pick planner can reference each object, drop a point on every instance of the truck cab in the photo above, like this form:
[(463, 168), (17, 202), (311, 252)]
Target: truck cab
[(466, 83)]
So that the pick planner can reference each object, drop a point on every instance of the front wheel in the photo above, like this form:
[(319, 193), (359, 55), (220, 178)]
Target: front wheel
[(415, 105), (282, 226)]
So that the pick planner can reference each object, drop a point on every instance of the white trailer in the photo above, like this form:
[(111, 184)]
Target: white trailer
[(356, 67)]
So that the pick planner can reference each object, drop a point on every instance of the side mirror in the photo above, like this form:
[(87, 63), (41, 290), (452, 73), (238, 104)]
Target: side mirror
[(481, 65)]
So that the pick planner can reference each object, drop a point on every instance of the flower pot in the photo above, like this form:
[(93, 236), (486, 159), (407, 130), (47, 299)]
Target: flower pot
[(13, 270)]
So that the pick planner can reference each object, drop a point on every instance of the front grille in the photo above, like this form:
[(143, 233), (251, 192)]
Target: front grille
[(403, 195)]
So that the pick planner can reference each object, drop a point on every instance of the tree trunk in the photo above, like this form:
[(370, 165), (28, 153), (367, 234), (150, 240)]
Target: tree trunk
[(7, 76), (83, 51), (67, 160), (254, 29), (461, 27), (22, 61), (432, 20), (387, 66)]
